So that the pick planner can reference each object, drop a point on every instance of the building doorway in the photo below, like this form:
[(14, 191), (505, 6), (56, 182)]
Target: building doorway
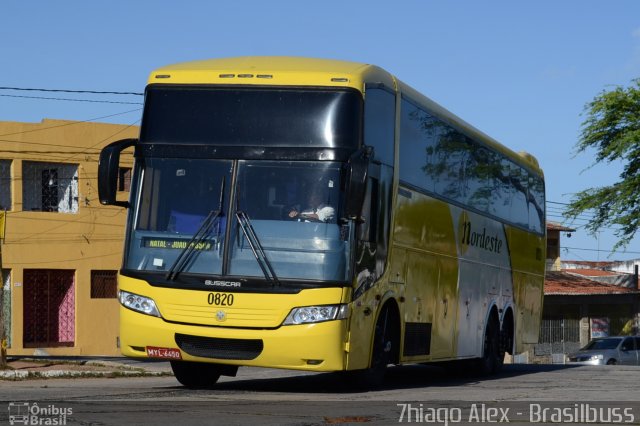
[(49, 308)]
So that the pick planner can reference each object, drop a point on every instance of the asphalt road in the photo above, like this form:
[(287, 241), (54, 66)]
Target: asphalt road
[(521, 394)]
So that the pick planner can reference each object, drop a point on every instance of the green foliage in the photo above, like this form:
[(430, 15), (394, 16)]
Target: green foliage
[(612, 128)]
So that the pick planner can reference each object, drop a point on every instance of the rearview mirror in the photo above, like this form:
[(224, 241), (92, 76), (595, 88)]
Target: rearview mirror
[(356, 180), (108, 172)]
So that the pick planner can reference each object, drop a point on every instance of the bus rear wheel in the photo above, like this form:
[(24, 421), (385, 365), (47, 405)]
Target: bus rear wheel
[(196, 374)]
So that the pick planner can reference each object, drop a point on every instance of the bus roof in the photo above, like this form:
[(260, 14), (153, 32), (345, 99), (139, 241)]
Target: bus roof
[(300, 71), (272, 70)]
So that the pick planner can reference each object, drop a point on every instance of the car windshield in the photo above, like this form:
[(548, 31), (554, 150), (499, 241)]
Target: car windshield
[(282, 217), (602, 344)]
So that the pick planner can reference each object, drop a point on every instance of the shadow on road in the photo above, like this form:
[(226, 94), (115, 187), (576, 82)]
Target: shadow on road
[(400, 377)]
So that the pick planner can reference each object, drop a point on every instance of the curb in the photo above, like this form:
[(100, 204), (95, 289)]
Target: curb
[(89, 369), (24, 375)]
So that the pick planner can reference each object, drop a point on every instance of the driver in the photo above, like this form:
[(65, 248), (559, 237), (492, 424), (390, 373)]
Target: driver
[(316, 210)]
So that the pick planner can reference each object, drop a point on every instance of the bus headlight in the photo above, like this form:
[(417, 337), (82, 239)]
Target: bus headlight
[(312, 314), (138, 303)]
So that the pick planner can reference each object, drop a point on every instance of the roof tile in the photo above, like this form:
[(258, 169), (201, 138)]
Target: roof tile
[(562, 283)]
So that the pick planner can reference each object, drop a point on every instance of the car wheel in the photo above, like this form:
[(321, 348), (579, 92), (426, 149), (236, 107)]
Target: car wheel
[(612, 362)]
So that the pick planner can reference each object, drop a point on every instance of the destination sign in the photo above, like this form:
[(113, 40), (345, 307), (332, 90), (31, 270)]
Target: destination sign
[(175, 243)]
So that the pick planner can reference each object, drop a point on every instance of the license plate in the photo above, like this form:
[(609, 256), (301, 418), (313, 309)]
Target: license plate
[(164, 353)]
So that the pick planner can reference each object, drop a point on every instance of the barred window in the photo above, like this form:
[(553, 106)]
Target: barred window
[(104, 284), (5, 184), (50, 187)]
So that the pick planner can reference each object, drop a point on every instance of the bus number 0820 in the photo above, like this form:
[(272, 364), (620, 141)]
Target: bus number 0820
[(220, 299)]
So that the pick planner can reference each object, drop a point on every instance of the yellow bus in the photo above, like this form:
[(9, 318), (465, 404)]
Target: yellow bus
[(320, 215)]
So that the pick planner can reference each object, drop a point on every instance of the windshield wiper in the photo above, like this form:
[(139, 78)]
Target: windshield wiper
[(187, 253), (256, 247)]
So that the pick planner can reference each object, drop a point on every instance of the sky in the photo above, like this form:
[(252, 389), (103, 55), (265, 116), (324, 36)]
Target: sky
[(521, 72)]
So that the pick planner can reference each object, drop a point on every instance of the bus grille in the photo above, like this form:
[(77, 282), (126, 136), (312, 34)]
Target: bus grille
[(214, 347)]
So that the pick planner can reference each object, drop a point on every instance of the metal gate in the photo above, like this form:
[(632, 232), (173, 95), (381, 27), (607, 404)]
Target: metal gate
[(558, 337), (49, 308)]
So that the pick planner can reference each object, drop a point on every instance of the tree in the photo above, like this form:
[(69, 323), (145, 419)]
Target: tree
[(612, 128)]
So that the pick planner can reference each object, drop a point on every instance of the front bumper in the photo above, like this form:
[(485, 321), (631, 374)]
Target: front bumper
[(312, 347)]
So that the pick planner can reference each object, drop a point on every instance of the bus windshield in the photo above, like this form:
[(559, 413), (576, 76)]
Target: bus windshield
[(175, 197), (292, 208)]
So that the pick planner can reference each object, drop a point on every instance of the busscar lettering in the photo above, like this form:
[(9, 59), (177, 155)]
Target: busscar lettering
[(218, 283), (488, 242)]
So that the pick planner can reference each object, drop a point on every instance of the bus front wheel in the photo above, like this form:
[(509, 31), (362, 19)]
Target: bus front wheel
[(386, 339), (196, 374)]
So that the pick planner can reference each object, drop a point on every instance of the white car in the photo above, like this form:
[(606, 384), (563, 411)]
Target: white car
[(623, 350)]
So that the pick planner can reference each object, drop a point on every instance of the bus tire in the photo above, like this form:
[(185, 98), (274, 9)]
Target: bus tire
[(492, 350), (385, 349), (507, 334), (196, 375)]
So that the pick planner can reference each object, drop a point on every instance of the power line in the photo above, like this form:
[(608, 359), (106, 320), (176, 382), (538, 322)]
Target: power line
[(118, 253), (72, 123), (44, 144), (95, 92), (71, 99), (600, 250)]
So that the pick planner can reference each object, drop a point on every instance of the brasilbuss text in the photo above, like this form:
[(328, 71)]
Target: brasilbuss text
[(580, 413)]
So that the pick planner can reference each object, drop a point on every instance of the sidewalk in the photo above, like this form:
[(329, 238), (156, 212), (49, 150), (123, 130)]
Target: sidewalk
[(40, 368)]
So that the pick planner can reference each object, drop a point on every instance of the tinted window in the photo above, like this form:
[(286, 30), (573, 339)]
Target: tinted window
[(379, 123), (603, 344), (481, 167), (262, 117), (438, 158), (519, 209), (536, 204), (627, 344), (499, 186), (417, 135), (451, 165)]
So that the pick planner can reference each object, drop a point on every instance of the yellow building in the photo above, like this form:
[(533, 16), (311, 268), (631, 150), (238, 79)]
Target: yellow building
[(62, 248)]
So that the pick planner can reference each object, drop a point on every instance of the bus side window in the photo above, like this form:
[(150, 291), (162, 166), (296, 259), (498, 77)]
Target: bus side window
[(370, 213), (379, 122)]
